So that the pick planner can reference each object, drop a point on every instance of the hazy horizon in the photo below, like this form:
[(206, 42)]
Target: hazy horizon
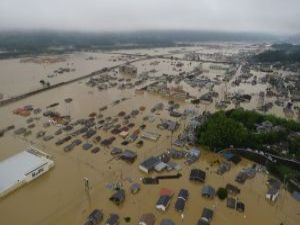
[(258, 16)]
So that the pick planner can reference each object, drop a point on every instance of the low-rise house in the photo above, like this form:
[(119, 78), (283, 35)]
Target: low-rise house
[(231, 203), (208, 191), (197, 175), (192, 156), (273, 191), (112, 220), (118, 197), (232, 189), (150, 136), (94, 218), (160, 166), (240, 206), (163, 202), (272, 194), (206, 217), (116, 151), (128, 156), (181, 200), (149, 164), (173, 166), (147, 219), (223, 168), (241, 177), (169, 125), (251, 172)]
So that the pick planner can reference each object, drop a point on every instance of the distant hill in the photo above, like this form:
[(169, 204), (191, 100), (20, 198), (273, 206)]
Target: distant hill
[(37, 42), (284, 53)]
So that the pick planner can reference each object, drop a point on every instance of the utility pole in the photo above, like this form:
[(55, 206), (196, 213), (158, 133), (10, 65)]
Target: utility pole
[(86, 184)]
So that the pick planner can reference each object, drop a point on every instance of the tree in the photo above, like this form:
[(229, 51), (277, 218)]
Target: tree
[(222, 193), (220, 132)]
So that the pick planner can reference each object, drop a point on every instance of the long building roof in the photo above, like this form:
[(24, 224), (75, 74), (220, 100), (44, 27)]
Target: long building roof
[(15, 168)]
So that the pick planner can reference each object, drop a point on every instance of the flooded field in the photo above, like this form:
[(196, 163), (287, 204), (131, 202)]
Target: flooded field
[(59, 197)]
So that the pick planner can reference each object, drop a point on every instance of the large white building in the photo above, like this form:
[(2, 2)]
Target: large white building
[(22, 168)]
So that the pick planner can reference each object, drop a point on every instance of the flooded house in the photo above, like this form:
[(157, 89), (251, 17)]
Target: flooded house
[(94, 218), (118, 197), (206, 217), (241, 177), (128, 156), (231, 203), (149, 164), (273, 190), (208, 191), (232, 189), (163, 202), (197, 175), (113, 219), (192, 156), (182, 197)]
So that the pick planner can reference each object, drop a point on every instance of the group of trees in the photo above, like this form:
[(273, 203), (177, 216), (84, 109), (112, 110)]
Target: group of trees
[(284, 53), (237, 127)]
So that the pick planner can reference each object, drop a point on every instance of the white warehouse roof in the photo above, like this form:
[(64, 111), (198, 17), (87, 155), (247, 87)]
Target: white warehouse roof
[(22, 168)]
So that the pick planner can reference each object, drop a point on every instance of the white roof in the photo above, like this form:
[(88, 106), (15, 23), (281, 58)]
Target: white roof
[(15, 168)]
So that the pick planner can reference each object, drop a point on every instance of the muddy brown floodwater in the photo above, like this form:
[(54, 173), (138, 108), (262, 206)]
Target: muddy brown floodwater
[(59, 196)]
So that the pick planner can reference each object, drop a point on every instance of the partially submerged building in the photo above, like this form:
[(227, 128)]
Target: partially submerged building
[(163, 202), (149, 164), (206, 217), (118, 197), (181, 199), (208, 191), (22, 168), (273, 191), (197, 175)]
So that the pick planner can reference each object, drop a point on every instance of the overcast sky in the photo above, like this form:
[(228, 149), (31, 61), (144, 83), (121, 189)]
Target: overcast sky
[(277, 16)]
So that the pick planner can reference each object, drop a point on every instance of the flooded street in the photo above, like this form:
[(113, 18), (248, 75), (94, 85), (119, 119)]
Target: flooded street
[(59, 196)]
